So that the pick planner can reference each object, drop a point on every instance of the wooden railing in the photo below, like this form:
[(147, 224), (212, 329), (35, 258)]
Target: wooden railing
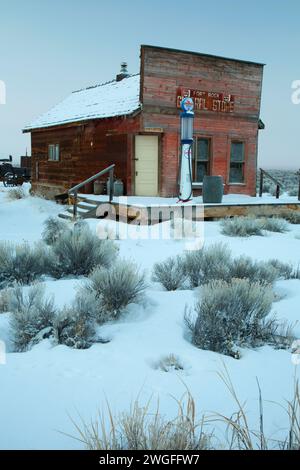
[(74, 191), (264, 173)]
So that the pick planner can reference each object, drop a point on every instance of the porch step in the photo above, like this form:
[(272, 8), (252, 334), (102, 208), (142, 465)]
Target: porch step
[(87, 205), (85, 210), (65, 215)]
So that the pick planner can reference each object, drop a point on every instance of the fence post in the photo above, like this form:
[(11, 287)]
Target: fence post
[(299, 185), (261, 182), (277, 191)]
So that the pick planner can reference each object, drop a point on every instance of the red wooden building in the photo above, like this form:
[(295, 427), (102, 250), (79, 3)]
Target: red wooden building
[(133, 121)]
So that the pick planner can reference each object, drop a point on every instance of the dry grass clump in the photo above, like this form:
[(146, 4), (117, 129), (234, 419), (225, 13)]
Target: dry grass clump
[(168, 363), (140, 428)]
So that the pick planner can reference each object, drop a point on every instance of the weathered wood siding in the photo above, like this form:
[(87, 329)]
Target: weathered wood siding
[(163, 71), (85, 149)]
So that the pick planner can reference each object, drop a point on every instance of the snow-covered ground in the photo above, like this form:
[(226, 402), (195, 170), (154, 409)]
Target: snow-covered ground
[(42, 388)]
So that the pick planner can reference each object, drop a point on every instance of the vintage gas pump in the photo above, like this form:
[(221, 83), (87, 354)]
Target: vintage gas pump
[(187, 126)]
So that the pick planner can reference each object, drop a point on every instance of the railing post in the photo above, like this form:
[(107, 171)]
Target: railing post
[(299, 185), (261, 183), (277, 191), (75, 200), (111, 184)]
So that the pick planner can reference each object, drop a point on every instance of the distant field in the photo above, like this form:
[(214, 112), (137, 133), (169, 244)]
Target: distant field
[(288, 178)]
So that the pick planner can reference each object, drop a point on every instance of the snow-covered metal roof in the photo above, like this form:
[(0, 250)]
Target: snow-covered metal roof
[(101, 101)]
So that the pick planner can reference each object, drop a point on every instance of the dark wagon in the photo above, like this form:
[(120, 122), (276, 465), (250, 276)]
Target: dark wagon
[(11, 175)]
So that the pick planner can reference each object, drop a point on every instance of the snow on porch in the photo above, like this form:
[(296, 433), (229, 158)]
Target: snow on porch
[(230, 199)]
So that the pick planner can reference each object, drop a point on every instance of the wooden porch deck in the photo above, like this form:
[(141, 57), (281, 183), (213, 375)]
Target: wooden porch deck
[(148, 214)]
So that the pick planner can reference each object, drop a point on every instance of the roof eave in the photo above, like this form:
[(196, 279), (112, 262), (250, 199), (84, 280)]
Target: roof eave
[(80, 122), (212, 56)]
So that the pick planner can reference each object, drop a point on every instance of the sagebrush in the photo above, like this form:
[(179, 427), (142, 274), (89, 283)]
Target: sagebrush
[(115, 288), (274, 224), (262, 272), (241, 227), (212, 262), (215, 262), (22, 263), (53, 228), (292, 216), (235, 314), (32, 316), (170, 273), (79, 251), (74, 326)]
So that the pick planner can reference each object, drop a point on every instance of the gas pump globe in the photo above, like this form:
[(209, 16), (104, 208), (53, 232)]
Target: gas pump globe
[(187, 126)]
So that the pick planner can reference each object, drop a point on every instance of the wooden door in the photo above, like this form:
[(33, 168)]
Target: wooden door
[(146, 165)]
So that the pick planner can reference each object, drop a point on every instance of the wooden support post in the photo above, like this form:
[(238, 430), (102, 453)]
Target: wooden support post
[(75, 200), (111, 184), (261, 182)]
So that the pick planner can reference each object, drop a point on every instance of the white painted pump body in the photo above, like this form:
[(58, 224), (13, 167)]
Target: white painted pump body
[(185, 191), (187, 126)]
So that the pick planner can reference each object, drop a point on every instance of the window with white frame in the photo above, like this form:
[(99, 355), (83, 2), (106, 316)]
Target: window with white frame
[(53, 152)]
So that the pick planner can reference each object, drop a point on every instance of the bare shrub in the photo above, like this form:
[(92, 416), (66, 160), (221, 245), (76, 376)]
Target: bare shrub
[(74, 326), (21, 263), (235, 314), (15, 194), (170, 273), (79, 251), (241, 227), (207, 264), (116, 288), (140, 429), (169, 363), (274, 224), (32, 316), (54, 227)]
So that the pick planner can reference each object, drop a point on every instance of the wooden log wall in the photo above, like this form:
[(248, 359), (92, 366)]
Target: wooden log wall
[(85, 149)]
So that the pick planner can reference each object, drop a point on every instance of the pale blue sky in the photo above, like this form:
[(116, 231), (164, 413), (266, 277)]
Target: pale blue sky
[(49, 48)]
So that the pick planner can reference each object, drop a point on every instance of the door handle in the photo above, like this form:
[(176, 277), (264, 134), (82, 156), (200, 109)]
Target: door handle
[(136, 159), (136, 173)]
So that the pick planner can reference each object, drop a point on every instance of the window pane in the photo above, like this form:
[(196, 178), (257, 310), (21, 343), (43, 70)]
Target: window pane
[(203, 149), (57, 152), (237, 152), (50, 152), (236, 173), (202, 168)]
